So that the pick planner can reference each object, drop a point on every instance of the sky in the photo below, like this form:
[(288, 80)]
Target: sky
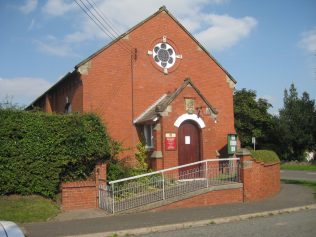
[(264, 45)]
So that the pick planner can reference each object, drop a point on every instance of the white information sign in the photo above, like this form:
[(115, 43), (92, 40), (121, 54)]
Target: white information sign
[(187, 140)]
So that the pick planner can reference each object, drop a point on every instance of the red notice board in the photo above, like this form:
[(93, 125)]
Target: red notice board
[(170, 142)]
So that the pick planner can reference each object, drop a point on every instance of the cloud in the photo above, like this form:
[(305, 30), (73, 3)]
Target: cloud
[(31, 25), (215, 32), (22, 90), (58, 7), (88, 31), (29, 6), (225, 31), (308, 41), (52, 46)]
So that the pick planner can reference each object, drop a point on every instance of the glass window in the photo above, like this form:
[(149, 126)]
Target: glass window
[(164, 55), (68, 108), (148, 135)]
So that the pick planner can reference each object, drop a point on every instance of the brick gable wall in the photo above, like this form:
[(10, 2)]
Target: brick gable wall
[(107, 87)]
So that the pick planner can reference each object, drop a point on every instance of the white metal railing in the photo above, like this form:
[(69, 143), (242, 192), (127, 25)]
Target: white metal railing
[(151, 187)]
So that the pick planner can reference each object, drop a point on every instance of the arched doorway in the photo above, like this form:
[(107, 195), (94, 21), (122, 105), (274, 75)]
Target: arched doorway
[(189, 149)]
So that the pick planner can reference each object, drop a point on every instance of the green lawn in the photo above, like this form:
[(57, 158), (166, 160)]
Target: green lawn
[(23, 209), (298, 166)]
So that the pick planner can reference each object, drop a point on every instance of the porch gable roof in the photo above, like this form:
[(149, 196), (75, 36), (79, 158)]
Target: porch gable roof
[(154, 110)]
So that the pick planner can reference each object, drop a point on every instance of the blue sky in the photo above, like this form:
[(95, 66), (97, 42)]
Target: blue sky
[(265, 45)]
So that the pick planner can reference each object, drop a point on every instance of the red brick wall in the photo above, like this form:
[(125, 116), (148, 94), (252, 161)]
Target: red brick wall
[(79, 195), (107, 88), (55, 99), (119, 89), (261, 180), (208, 134), (207, 199), (82, 194)]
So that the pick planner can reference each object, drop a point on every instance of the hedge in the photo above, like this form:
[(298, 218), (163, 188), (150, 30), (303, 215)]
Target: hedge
[(266, 156), (38, 150)]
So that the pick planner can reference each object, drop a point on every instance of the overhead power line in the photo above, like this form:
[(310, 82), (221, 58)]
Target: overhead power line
[(105, 25), (101, 23), (106, 20)]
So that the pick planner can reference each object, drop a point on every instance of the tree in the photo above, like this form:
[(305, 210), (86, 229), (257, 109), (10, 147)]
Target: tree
[(7, 103), (296, 125), (252, 118)]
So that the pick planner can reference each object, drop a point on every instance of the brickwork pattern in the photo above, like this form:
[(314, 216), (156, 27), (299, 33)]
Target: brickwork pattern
[(79, 195), (208, 134), (82, 194), (208, 199), (261, 180), (119, 87)]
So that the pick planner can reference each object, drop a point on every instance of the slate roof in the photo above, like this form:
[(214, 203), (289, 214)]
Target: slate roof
[(162, 103)]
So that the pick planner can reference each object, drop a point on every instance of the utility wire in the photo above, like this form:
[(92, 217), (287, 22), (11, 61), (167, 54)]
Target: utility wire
[(106, 20), (132, 52), (101, 26), (110, 29)]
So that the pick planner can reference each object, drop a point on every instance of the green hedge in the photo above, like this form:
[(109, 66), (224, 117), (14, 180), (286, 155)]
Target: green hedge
[(265, 156), (38, 151)]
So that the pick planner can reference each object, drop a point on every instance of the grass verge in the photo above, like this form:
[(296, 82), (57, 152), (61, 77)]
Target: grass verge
[(309, 184), (24, 209), (265, 156), (298, 166)]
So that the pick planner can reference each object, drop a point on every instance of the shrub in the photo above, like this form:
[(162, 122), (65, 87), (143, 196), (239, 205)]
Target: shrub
[(38, 150), (119, 169), (265, 156), (142, 159)]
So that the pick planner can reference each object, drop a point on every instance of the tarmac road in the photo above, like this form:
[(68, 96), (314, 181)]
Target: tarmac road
[(302, 224), (290, 196), (298, 175)]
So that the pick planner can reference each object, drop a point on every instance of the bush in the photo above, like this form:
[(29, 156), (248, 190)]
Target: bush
[(38, 151), (119, 169), (265, 156)]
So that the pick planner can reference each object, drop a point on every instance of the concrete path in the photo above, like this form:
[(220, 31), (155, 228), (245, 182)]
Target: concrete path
[(140, 223), (298, 175)]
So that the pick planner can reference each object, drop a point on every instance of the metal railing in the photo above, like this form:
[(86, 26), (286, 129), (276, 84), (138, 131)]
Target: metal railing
[(151, 187)]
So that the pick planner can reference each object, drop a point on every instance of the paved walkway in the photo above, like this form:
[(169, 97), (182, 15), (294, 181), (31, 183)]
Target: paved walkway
[(90, 222)]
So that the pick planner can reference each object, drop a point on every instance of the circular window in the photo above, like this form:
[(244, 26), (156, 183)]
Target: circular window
[(164, 55)]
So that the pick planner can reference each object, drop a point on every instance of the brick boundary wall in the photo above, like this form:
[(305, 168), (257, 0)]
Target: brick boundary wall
[(82, 194), (79, 195), (207, 199), (259, 181)]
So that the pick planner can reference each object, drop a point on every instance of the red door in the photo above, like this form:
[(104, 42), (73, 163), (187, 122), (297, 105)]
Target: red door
[(189, 148)]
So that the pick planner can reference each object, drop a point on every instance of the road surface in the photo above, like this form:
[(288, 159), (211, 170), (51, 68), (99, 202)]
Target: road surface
[(302, 224), (298, 175)]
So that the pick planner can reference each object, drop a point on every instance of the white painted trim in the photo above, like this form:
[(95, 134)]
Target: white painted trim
[(193, 117)]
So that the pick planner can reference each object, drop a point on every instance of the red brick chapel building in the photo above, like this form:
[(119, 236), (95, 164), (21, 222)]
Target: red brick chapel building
[(167, 90)]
